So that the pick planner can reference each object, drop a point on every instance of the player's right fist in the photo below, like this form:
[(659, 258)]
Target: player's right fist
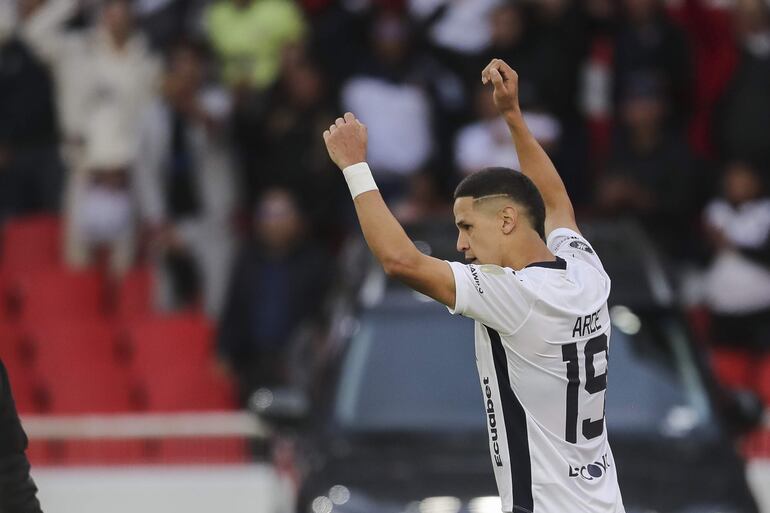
[(506, 84), (346, 141)]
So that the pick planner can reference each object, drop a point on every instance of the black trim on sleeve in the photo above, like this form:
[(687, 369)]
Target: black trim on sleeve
[(559, 263), (515, 430)]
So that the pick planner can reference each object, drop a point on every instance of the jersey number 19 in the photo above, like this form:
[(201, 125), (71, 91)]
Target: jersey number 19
[(594, 385)]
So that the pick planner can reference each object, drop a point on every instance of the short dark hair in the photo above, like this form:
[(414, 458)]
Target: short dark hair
[(502, 180)]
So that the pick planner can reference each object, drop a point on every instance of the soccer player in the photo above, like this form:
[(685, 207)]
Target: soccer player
[(538, 294)]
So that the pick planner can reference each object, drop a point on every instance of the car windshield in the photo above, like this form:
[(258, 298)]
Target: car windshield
[(653, 383), (410, 370), (413, 369)]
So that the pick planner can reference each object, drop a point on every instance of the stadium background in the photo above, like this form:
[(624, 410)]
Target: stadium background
[(171, 223)]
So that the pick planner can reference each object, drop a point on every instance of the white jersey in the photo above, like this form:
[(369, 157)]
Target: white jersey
[(542, 340)]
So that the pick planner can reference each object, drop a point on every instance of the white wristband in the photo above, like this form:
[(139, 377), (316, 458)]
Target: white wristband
[(359, 178)]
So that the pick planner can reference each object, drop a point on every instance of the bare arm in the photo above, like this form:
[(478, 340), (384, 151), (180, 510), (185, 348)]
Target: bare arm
[(535, 163), (346, 143)]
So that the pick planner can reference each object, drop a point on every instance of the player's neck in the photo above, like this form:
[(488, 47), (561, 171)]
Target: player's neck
[(528, 249)]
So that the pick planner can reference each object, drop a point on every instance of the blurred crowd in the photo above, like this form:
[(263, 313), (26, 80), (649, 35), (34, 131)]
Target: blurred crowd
[(185, 134)]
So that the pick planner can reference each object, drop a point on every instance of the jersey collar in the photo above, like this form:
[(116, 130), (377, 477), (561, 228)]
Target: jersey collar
[(559, 263)]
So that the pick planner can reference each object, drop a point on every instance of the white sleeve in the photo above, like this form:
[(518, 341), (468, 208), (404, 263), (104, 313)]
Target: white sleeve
[(570, 245), (490, 295)]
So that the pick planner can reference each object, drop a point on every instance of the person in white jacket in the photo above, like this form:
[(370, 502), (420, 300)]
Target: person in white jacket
[(103, 74), (184, 182), (107, 66)]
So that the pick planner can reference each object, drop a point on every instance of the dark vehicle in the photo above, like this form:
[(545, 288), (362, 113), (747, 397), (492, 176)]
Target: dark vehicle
[(398, 423)]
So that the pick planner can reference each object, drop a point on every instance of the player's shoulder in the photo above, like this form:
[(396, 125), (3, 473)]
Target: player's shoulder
[(495, 278), (573, 247), (563, 238), (490, 274), (579, 288), (492, 269)]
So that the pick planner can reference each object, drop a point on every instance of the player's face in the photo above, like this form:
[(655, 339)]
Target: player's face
[(479, 237)]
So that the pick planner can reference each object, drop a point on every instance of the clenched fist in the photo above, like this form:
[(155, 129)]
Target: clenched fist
[(506, 84), (346, 141)]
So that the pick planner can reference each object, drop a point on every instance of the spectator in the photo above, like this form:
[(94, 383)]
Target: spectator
[(512, 39), (648, 42), (425, 201), (101, 212), (649, 171), (488, 142), (185, 183), (249, 37), (390, 97), (105, 69), (744, 113), (715, 58), (595, 94), (40, 23), (737, 283), (165, 22), (289, 117), (561, 31), (461, 26), (31, 171), (277, 284), (531, 36)]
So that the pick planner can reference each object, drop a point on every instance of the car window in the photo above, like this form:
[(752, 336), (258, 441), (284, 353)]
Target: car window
[(414, 369), (653, 384), (411, 369)]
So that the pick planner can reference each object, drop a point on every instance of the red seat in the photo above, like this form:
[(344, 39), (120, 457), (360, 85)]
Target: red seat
[(10, 343), (22, 387), (161, 343), (5, 298), (86, 452), (733, 368), (37, 453), (171, 363), (75, 367), (18, 365), (97, 452), (134, 294), (31, 243), (187, 388), (59, 293)]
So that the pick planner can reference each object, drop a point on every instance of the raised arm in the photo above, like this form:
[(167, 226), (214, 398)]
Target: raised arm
[(535, 163), (346, 142)]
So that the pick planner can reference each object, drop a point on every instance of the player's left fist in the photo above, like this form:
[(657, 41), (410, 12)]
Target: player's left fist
[(346, 141)]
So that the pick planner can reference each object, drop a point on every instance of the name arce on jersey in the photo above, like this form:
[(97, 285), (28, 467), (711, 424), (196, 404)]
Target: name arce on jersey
[(587, 325)]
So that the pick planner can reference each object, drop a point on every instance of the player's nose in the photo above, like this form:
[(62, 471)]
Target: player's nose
[(462, 243)]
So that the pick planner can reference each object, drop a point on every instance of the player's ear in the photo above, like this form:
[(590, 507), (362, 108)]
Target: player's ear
[(509, 217)]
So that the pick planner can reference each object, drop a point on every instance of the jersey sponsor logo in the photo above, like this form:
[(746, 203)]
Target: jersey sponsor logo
[(492, 421), (591, 471), (579, 244), (587, 325), (476, 280)]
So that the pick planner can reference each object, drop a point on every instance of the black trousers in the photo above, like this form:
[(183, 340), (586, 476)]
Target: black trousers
[(31, 182), (18, 493)]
